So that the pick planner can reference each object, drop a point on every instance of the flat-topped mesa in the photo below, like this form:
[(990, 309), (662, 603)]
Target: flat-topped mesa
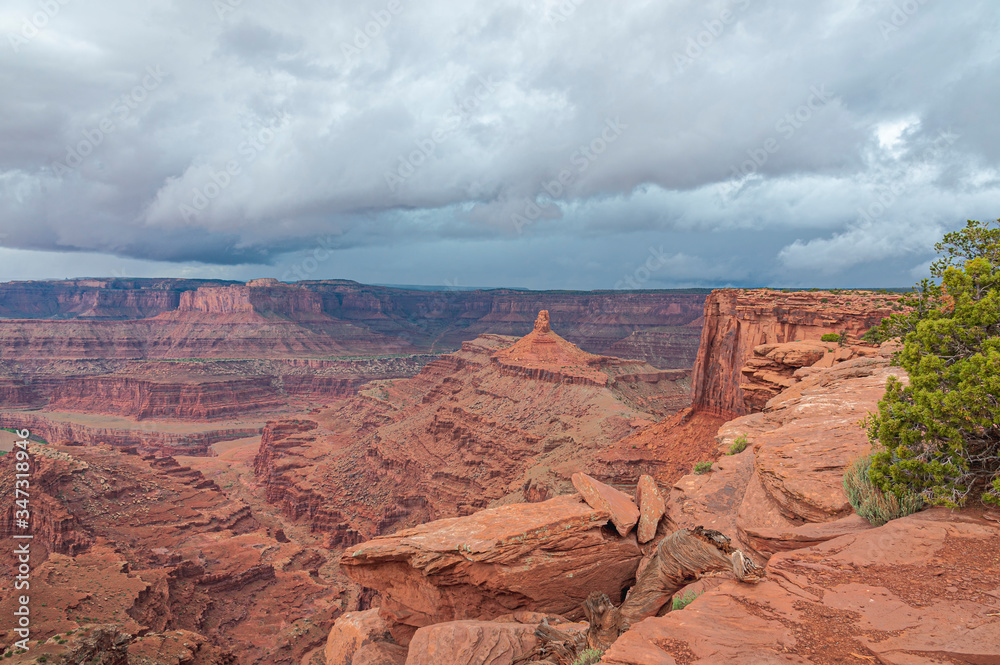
[(260, 296)]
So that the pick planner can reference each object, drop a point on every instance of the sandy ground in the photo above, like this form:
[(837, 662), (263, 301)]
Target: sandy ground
[(230, 449), (7, 440), (174, 427)]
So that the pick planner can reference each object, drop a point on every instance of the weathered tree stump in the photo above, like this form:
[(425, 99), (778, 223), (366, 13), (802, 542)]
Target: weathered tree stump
[(681, 558)]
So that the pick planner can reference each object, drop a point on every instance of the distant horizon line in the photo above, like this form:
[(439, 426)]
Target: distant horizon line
[(456, 288)]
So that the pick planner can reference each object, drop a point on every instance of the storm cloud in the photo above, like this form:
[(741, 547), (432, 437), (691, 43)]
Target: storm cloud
[(540, 143)]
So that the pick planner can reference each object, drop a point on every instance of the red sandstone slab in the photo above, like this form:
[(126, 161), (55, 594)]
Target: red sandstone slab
[(652, 507), (623, 511)]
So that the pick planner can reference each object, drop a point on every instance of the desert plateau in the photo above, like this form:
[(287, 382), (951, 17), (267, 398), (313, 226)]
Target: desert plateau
[(517, 332), (350, 492)]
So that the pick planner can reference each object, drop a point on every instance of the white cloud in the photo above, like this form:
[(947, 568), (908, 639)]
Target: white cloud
[(693, 114)]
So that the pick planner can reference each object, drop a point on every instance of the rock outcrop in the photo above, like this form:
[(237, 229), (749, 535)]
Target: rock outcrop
[(265, 298), (544, 557), (785, 490), (624, 513), (921, 589), (464, 434), (471, 643), (738, 321), (652, 507), (355, 634), (151, 545)]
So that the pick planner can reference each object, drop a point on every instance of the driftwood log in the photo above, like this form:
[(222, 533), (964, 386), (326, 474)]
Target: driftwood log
[(681, 558)]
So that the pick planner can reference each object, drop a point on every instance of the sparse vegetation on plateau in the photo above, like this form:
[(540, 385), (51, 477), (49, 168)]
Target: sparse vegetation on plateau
[(939, 436), (702, 467), (875, 505), (831, 337), (739, 445), (683, 600), (588, 657)]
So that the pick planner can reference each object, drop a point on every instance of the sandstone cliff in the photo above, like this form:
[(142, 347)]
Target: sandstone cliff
[(738, 321), (342, 317)]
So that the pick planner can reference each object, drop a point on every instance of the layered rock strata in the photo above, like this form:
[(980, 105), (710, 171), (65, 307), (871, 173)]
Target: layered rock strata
[(738, 321), (462, 435), (175, 319), (544, 557)]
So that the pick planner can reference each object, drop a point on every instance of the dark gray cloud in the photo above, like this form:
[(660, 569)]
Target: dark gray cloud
[(547, 143)]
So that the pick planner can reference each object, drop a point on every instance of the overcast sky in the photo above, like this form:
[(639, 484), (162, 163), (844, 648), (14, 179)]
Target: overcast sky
[(534, 143)]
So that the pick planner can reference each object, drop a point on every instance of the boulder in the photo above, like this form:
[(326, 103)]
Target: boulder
[(921, 589), (471, 643), (623, 511), (380, 653), (544, 557), (652, 506), (351, 632)]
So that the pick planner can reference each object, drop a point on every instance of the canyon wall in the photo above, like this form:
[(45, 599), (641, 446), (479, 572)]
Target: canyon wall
[(145, 440), (738, 321), (161, 318), (259, 296), (94, 299)]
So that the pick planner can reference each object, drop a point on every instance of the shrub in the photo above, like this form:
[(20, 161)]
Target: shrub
[(682, 601), (831, 337), (738, 446), (588, 657), (702, 467), (940, 435), (869, 501)]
